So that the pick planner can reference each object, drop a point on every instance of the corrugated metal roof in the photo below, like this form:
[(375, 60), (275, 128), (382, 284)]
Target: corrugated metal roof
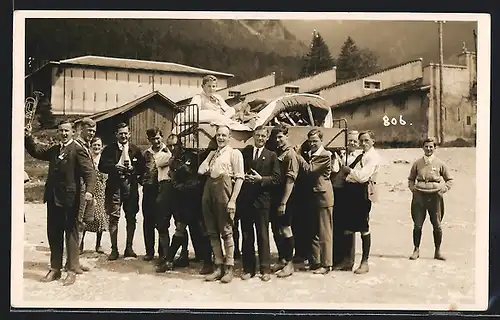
[(121, 63), (408, 86), (102, 115)]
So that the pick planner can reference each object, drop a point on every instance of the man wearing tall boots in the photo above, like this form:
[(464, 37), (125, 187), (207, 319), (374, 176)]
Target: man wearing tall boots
[(225, 173), (68, 163), (362, 194), (319, 169), (188, 193), (281, 211), (262, 174), (125, 166), (428, 181), (86, 208), (343, 259), (150, 192)]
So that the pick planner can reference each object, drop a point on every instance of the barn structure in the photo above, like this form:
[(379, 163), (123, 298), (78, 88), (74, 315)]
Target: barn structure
[(150, 110)]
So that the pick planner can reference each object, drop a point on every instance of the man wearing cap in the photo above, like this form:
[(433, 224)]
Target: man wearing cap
[(225, 170), (429, 179)]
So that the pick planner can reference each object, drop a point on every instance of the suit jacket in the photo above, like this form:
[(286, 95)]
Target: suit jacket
[(257, 195), (66, 168), (107, 164), (318, 170)]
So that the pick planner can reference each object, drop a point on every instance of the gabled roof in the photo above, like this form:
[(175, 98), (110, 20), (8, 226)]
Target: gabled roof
[(336, 84), (102, 115), (122, 63), (413, 85)]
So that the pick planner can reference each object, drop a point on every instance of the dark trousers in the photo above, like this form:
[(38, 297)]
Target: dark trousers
[(61, 226), (302, 229), (163, 213), (149, 194), (218, 221), (260, 219), (342, 251), (322, 239), (422, 203)]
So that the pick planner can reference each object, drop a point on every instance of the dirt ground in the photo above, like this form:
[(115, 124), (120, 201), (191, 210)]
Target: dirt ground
[(393, 279)]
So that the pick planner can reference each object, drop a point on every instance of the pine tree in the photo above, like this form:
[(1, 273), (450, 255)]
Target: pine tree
[(354, 62), (318, 59)]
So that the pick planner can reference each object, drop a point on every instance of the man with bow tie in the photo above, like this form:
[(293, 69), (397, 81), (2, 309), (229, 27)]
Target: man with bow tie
[(429, 179), (225, 173), (362, 194), (125, 165), (318, 169), (68, 163), (262, 174)]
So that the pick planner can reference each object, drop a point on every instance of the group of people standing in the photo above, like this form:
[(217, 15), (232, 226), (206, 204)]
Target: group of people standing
[(306, 194)]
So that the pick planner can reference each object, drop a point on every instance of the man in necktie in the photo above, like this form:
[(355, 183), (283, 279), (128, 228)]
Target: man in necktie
[(318, 169), (428, 181), (262, 174), (225, 170), (125, 165), (86, 209), (68, 163), (362, 194), (344, 260)]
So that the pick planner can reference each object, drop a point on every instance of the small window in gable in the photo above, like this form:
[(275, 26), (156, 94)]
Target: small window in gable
[(234, 93), (372, 84), (290, 89)]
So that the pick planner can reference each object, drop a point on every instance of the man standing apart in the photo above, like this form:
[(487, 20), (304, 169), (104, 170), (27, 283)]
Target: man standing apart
[(125, 166), (263, 172), (225, 171), (68, 163), (362, 194), (432, 181), (319, 169), (281, 213)]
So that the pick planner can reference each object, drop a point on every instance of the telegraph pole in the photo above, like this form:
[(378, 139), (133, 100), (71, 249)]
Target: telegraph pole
[(441, 105)]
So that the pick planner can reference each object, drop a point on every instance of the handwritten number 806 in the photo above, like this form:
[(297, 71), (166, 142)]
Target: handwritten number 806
[(393, 121)]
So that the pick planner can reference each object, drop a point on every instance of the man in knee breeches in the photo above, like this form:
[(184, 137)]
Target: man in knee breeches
[(225, 173), (429, 179), (125, 166)]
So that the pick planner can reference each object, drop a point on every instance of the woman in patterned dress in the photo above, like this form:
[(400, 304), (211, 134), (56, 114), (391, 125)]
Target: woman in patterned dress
[(100, 222)]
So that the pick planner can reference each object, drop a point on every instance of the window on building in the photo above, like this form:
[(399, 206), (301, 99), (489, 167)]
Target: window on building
[(180, 82), (116, 97), (458, 114), (170, 79), (106, 97), (138, 78), (83, 95), (83, 74), (372, 84), (234, 93), (128, 77), (71, 73), (161, 80), (105, 75), (189, 83), (150, 79), (71, 95), (116, 76), (95, 75), (468, 121), (95, 97), (292, 89)]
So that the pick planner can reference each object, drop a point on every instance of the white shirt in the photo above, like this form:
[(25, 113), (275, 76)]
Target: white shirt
[(366, 169), (125, 156), (427, 159), (257, 152), (225, 161), (162, 157)]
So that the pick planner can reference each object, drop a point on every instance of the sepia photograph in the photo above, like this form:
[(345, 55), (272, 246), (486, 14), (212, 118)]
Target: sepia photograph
[(250, 160)]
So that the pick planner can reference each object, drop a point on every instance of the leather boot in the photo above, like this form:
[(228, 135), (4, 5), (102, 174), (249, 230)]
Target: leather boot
[(228, 274), (438, 236), (183, 260), (174, 247), (206, 254), (216, 275), (286, 271), (416, 254), (129, 251), (113, 233)]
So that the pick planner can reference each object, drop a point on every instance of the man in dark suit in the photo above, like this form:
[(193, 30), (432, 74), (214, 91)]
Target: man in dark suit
[(262, 173), (68, 163), (125, 165), (319, 169)]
